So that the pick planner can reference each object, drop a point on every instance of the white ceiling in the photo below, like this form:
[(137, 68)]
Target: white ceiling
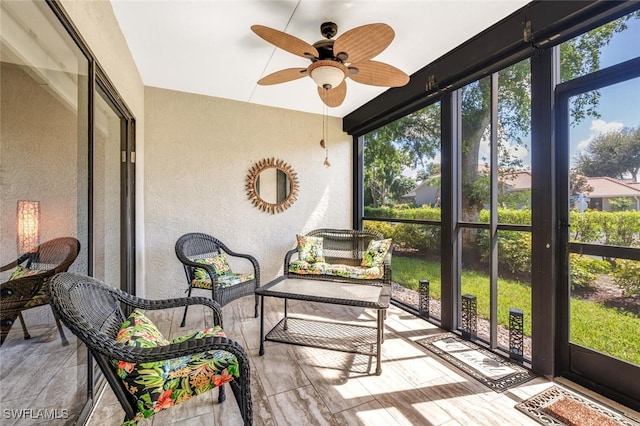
[(207, 46)]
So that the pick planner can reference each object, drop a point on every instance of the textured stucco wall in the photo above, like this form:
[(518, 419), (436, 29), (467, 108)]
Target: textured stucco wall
[(99, 28), (199, 150), (193, 155)]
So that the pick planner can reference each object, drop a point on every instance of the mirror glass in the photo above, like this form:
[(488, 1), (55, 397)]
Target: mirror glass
[(272, 185)]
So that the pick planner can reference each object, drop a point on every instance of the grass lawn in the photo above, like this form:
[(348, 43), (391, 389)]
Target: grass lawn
[(592, 324)]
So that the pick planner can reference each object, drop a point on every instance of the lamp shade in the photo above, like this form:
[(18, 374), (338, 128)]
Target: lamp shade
[(327, 74), (28, 226)]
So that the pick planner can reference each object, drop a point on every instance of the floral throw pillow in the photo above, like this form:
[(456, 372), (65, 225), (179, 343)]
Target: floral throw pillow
[(138, 331), (220, 266), (310, 248), (376, 253)]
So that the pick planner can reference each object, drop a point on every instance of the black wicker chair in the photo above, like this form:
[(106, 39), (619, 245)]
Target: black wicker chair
[(197, 246), (27, 292), (93, 312)]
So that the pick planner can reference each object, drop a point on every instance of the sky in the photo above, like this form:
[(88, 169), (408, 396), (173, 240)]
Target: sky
[(619, 104)]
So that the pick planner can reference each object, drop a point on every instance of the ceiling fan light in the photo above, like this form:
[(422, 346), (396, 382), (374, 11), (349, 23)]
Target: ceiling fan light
[(327, 74)]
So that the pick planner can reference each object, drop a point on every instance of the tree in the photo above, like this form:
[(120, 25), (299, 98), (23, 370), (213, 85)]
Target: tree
[(621, 204), (416, 138), (383, 164), (578, 184), (612, 154), (409, 142), (579, 56)]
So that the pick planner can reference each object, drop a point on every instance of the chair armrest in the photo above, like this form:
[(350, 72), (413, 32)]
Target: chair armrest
[(149, 304), (287, 259), (387, 258), (207, 267), (15, 263), (386, 264), (122, 352), (253, 260)]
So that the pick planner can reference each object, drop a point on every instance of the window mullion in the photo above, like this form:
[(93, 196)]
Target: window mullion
[(493, 221)]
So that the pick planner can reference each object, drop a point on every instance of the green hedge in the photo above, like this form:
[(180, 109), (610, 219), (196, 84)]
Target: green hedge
[(514, 247)]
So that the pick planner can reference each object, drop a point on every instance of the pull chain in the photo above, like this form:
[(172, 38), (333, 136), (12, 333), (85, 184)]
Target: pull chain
[(325, 135)]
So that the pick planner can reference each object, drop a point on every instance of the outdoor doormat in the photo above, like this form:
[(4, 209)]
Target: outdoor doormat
[(559, 406), (492, 370)]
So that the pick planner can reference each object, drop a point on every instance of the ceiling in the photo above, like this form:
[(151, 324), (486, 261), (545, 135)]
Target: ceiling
[(207, 47)]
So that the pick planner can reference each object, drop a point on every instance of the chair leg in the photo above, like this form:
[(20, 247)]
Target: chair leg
[(65, 342), (257, 302), (25, 332), (184, 317), (5, 328), (222, 395)]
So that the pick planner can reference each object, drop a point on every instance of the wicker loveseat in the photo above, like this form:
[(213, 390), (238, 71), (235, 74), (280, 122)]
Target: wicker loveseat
[(344, 255)]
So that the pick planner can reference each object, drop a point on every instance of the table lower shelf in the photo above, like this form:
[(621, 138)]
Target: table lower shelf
[(334, 336)]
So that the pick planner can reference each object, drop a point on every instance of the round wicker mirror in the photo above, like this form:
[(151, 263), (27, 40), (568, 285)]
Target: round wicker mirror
[(272, 185)]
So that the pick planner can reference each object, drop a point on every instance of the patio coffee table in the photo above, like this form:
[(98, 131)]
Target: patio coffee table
[(337, 336)]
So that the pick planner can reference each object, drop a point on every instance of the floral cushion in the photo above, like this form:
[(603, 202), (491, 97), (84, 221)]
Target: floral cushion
[(225, 276), (310, 248), (40, 298), (162, 384), (21, 272), (224, 281), (357, 272), (376, 252), (304, 267), (319, 268)]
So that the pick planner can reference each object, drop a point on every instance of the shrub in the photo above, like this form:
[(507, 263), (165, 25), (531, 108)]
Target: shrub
[(627, 276), (583, 270), (514, 251), (385, 228), (514, 247)]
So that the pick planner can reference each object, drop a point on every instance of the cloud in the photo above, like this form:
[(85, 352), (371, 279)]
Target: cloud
[(516, 151), (599, 127)]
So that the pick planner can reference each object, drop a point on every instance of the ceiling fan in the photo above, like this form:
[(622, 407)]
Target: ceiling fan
[(333, 60)]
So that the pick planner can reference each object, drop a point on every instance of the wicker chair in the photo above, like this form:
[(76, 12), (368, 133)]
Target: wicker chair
[(93, 312), (194, 250), (25, 290)]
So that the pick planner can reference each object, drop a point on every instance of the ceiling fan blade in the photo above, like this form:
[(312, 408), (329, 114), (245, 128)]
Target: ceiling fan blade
[(285, 41), (376, 73), (283, 76), (364, 42), (333, 97)]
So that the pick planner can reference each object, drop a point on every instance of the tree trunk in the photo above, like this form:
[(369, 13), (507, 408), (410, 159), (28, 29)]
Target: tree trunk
[(476, 119)]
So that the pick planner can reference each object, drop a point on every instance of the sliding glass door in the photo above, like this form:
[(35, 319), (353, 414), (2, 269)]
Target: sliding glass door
[(599, 225), (66, 170)]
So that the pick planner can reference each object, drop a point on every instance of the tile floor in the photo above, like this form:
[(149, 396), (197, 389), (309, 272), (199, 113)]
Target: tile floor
[(294, 385)]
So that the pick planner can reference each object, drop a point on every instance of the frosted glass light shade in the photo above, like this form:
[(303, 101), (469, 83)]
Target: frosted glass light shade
[(327, 74)]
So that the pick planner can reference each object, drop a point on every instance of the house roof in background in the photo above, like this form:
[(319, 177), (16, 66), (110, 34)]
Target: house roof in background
[(603, 187), (606, 187)]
